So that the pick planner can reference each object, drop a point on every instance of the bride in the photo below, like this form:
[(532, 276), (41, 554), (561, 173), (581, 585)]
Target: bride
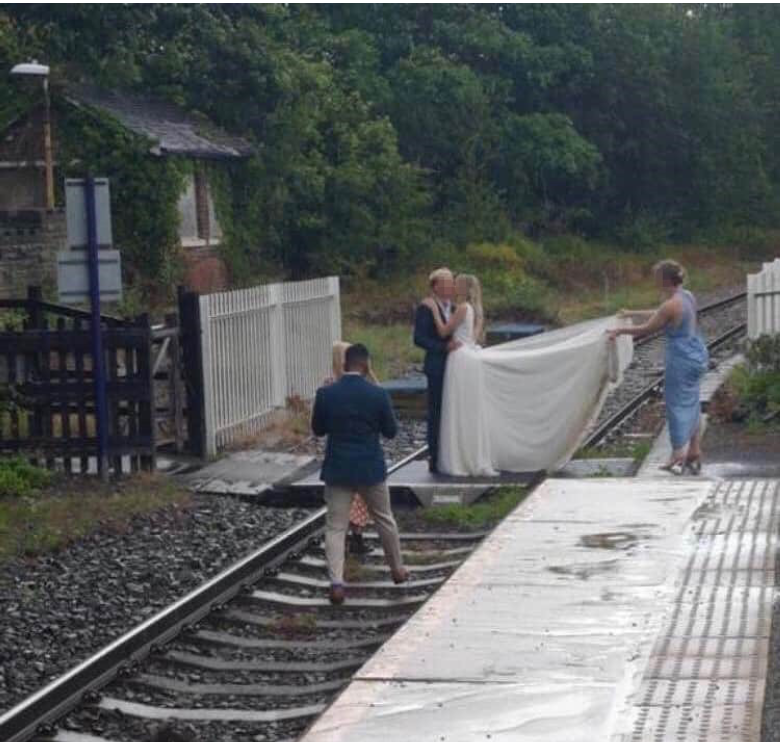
[(459, 454), (525, 405)]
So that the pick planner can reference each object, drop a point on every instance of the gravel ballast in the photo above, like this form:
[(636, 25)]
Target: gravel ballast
[(60, 608)]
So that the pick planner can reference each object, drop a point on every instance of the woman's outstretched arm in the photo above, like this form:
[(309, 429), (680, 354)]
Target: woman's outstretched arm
[(667, 312), (643, 314)]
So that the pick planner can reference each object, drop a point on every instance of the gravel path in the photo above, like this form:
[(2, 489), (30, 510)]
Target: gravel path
[(59, 609)]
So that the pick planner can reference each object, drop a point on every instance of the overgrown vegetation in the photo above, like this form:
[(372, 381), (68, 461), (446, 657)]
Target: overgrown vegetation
[(393, 136), (752, 394), (19, 478), (482, 514), (40, 512), (625, 449)]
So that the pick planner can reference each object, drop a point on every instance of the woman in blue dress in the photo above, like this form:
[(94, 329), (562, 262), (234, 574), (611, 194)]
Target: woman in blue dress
[(686, 362)]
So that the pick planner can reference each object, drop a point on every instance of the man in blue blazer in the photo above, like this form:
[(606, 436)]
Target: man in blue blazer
[(425, 335), (353, 413)]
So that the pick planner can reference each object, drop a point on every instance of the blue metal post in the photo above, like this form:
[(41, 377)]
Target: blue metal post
[(99, 368)]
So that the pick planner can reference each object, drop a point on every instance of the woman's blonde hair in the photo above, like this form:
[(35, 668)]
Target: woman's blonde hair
[(670, 271), (338, 362), (473, 296)]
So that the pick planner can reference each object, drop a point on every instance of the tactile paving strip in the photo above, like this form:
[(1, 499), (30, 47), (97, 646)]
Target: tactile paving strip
[(704, 681)]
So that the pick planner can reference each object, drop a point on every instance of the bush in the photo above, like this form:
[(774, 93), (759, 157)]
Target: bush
[(508, 287), (763, 354), (19, 478), (507, 293), (643, 232), (12, 320), (489, 256), (752, 242), (755, 385)]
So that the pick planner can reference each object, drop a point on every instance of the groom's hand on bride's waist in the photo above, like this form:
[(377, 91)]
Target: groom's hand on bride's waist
[(453, 345)]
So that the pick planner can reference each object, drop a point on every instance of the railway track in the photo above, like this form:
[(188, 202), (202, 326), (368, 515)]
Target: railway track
[(253, 654), (721, 322), (257, 652)]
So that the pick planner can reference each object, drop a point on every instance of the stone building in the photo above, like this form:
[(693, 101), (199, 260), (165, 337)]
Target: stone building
[(30, 235)]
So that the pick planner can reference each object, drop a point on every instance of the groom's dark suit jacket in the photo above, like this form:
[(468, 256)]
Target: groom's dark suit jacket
[(353, 413), (425, 335)]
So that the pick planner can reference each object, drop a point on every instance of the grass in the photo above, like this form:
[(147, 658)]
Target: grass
[(481, 514), (637, 451), (628, 282), (559, 282), (295, 624), (355, 571), (70, 508), (391, 346)]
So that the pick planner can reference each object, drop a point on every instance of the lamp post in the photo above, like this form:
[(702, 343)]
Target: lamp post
[(33, 69)]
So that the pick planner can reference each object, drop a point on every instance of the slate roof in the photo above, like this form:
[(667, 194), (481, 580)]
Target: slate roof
[(172, 131)]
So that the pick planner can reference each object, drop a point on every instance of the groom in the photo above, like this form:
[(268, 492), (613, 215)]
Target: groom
[(425, 335)]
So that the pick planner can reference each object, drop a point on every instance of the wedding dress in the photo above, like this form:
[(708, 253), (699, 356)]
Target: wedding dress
[(526, 405)]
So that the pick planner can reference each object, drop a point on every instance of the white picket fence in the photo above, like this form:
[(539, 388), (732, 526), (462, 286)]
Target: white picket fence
[(262, 346), (764, 300)]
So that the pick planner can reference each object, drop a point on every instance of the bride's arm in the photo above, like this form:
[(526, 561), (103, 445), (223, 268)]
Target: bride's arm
[(446, 329)]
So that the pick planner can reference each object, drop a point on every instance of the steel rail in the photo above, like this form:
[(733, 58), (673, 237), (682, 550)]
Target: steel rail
[(51, 702), (54, 700), (719, 304), (600, 433)]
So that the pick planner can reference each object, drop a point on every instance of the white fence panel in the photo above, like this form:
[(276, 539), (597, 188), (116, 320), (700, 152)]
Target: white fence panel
[(261, 346), (764, 301)]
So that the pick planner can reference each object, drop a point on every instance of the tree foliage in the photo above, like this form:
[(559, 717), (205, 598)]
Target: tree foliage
[(384, 128)]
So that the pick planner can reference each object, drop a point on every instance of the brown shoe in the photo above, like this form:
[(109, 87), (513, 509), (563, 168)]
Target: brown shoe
[(400, 575), (336, 594)]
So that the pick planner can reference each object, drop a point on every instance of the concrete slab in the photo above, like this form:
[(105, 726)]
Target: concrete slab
[(543, 633), (247, 473), (432, 489), (611, 467), (660, 453), (714, 379)]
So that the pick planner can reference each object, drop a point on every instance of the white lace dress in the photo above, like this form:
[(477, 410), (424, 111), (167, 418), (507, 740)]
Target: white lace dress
[(464, 434)]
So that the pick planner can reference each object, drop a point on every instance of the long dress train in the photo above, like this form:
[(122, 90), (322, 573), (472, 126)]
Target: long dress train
[(527, 405)]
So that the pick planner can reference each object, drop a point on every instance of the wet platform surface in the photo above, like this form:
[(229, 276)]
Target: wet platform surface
[(624, 610)]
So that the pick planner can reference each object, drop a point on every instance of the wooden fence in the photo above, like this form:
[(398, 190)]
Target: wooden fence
[(259, 348), (764, 301), (47, 395)]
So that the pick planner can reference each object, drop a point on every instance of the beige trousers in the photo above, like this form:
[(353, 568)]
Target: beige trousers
[(338, 508)]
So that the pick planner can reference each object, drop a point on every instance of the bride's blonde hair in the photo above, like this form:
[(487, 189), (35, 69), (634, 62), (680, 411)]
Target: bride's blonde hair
[(473, 297), (338, 362)]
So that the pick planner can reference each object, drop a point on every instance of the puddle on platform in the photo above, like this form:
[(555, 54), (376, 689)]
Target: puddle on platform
[(708, 510), (586, 570), (619, 540)]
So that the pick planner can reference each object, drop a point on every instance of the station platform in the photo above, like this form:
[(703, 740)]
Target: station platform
[(614, 610)]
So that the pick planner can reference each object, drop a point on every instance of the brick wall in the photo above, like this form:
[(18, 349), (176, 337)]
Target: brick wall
[(29, 242), (205, 270)]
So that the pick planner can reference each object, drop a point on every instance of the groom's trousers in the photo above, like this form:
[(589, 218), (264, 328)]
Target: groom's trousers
[(434, 400), (338, 509)]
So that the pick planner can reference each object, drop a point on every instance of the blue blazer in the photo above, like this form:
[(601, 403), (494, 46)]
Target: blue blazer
[(353, 413), (425, 335)]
